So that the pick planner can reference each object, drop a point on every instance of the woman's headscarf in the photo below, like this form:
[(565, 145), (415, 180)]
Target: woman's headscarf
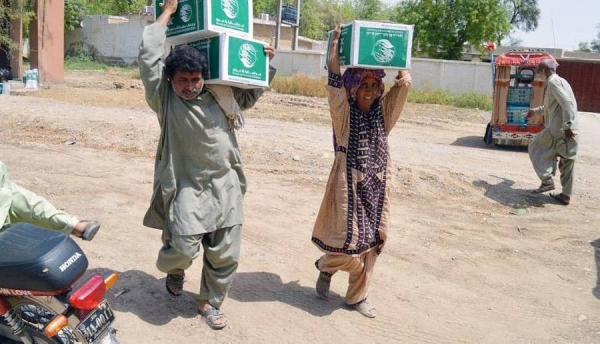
[(354, 76)]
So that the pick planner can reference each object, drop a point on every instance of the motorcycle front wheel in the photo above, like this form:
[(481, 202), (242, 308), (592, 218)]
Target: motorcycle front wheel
[(36, 315)]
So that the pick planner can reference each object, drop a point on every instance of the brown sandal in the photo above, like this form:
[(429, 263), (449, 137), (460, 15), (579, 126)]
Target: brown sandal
[(544, 188), (561, 198), (174, 284)]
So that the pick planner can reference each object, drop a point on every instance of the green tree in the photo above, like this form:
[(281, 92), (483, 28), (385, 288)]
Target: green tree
[(368, 9), (513, 41), (584, 47), (74, 11), (592, 46), (337, 12), (444, 28), (523, 14), (311, 24), (265, 6), (114, 7), (9, 10)]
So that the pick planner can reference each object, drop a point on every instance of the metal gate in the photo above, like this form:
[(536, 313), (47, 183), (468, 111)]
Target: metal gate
[(584, 78)]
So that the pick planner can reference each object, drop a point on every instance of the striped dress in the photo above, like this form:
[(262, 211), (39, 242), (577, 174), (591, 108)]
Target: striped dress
[(354, 214)]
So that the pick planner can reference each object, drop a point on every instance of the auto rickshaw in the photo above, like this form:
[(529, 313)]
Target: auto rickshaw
[(516, 90)]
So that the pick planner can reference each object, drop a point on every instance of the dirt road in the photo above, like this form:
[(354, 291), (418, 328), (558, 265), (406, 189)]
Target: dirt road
[(473, 257)]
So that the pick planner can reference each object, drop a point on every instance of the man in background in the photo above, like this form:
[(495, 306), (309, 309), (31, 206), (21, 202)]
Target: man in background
[(558, 141)]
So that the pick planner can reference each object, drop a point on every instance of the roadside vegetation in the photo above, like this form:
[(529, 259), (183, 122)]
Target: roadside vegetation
[(304, 85)]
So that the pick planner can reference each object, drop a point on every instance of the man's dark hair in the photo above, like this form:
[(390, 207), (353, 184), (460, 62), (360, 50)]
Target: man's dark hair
[(185, 58)]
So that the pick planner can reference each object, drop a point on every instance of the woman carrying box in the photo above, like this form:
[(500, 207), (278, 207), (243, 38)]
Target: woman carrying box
[(351, 227)]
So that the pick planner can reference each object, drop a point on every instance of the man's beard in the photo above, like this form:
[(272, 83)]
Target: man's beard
[(190, 93)]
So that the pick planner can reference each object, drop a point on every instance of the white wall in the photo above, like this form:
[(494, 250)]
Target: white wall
[(111, 39), (428, 74)]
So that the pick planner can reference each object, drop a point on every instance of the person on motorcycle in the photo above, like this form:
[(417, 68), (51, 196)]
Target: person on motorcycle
[(18, 204)]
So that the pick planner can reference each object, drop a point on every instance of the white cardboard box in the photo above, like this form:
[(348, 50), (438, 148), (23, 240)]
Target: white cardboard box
[(234, 60), (204, 18), (369, 44)]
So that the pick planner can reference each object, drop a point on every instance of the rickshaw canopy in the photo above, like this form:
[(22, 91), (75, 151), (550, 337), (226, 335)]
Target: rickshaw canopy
[(523, 58)]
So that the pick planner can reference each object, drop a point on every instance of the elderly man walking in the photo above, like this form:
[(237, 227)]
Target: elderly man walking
[(558, 141)]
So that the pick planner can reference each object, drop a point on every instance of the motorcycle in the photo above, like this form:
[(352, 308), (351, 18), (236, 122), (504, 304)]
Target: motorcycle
[(43, 297)]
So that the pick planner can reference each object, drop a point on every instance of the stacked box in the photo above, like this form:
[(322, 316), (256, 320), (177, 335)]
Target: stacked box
[(234, 61), (368, 44), (222, 30), (202, 18)]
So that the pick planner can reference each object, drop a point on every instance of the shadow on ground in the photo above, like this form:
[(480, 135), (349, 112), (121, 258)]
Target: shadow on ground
[(268, 287), (146, 296), (477, 142), (596, 245), (503, 193)]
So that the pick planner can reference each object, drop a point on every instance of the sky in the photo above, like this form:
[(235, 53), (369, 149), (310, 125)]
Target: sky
[(562, 24)]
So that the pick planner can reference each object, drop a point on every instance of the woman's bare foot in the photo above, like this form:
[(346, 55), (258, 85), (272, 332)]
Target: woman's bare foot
[(323, 284)]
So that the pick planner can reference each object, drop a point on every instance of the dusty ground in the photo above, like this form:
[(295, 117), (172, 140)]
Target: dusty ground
[(465, 262)]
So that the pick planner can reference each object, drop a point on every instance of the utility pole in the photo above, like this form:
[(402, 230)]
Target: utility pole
[(296, 27), (278, 24)]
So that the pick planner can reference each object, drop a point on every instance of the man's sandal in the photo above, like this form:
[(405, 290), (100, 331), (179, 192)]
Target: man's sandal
[(90, 230), (214, 316), (561, 198), (174, 283), (544, 188)]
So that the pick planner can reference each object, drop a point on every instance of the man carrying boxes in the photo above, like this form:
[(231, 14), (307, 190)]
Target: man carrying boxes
[(199, 181)]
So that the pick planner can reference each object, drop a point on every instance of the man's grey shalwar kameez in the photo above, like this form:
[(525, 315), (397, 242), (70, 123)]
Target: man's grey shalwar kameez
[(199, 182), (560, 113)]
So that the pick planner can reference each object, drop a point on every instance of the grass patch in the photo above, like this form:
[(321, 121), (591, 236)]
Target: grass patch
[(87, 63), (83, 63), (301, 85), (471, 100), (304, 85)]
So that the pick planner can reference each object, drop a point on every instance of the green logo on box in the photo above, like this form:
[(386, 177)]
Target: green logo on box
[(231, 14), (184, 21), (247, 55), (231, 8), (249, 62), (185, 13), (383, 51)]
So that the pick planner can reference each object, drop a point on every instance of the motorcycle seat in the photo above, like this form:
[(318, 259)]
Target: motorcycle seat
[(37, 259)]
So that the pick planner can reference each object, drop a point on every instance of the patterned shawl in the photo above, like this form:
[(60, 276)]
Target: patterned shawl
[(367, 154)]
